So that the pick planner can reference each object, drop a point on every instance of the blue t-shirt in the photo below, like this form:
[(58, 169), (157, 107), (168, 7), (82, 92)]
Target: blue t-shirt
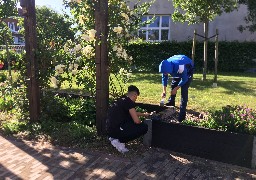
[(179, 66)]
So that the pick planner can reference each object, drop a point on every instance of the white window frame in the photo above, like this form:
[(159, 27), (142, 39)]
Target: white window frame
[(15, 40), (12, 27), (160, 28)]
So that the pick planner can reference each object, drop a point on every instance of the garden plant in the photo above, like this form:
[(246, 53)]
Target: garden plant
[(67, 64)]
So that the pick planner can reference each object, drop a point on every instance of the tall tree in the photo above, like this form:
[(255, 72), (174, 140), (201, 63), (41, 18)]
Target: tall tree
[(7, 9), (197, 11), (250, 19), (53, 31)]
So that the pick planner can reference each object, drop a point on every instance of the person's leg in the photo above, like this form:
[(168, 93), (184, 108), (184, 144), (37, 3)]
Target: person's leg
[(131, 131), (114, 137), (184, 100), (171, 100)]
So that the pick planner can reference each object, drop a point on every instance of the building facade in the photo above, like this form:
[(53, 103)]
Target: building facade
[(18, 39), (164, 28)]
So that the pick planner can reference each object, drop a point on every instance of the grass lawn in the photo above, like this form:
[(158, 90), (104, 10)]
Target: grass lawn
[(233, 89)]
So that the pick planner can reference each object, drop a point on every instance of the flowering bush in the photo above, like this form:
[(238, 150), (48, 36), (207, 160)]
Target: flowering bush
[(123, 22), (240, 119)]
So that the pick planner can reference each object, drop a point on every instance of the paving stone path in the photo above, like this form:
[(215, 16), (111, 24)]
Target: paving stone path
[(41, 161)]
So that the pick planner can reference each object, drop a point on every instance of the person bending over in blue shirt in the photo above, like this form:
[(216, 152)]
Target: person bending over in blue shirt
[(180, 67)]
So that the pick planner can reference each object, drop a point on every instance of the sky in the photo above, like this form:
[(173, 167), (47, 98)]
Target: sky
[(54, 4)]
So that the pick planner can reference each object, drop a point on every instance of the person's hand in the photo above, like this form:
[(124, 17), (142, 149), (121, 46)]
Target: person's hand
[(146, 114), (163, 95), (152, 113)]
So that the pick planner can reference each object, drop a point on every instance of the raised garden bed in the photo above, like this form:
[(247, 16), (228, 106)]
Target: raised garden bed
[(227, 147)]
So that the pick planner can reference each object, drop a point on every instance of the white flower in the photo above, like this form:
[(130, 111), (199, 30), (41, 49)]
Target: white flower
[(129, 75), (66, 48), (85, 37), (125, 55), (126, 17), (81, 19), (54, 81), (59, 69), (88, 50), (78, 47), (118, 29), (73, 67), (91, 34), (74, 72), (115, 48), (121, 71), (76, 66), (77, 1)]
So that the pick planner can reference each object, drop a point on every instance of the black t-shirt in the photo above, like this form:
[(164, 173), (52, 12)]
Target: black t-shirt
[(118, 113)]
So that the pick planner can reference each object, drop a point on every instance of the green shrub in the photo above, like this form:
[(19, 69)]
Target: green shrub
[(2, 77), (68, 133), (233, 56), (66, 109)]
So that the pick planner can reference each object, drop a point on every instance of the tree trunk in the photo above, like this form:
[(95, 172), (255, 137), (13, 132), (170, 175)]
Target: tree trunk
[(32, 64), (102, 65), (206, 27)]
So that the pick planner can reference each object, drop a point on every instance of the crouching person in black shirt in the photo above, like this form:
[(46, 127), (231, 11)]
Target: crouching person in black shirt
[(123, 120)]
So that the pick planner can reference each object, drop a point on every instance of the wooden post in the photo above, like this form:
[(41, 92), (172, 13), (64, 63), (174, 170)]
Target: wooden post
[(216, 56), (194, 46), (206, 26), (8, 59), (32, 65), (102, 65)]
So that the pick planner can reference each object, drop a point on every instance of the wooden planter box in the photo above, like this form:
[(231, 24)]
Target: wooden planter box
[(232, 148), (227, 147)]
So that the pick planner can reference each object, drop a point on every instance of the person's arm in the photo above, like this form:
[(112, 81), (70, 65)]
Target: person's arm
[(134, 116), (164, 92), (145, 114), (164, 83)]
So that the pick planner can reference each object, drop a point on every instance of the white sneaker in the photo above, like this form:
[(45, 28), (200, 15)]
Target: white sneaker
[(111, 139), (119, 146), (115, 142)]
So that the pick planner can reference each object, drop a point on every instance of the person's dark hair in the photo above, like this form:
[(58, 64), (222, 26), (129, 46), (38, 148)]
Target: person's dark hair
[(133, 88)]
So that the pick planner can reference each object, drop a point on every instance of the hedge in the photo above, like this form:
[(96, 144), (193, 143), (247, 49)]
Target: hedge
[(233, 56)]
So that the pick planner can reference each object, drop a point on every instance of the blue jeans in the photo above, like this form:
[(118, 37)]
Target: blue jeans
[(184, 97)]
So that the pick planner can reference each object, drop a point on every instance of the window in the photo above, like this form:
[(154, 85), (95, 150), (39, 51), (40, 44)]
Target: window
[(11, 25), (21, 40), (159, 30)]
